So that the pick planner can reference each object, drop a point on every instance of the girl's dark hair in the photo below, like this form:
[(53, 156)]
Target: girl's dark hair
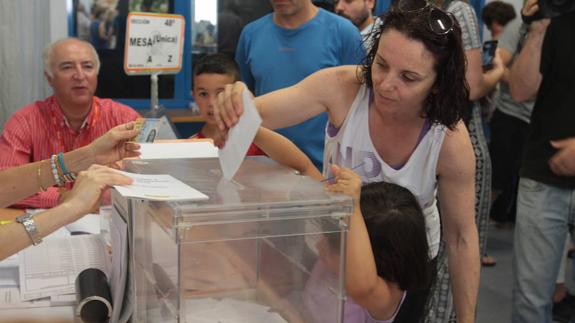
[(397, 232), (216, 64), (448, 98)]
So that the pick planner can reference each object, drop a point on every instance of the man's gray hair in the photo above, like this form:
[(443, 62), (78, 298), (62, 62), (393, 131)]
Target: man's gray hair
[(47, 54)]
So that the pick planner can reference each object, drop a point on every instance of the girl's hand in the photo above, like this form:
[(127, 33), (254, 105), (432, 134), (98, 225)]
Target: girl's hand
[(346, 181)]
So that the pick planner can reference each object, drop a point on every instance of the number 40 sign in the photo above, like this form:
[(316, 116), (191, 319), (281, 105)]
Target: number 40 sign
[(154, 43)]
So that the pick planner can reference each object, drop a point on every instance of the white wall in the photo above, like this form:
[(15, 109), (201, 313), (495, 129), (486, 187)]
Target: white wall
[(59, 18), (26, 27)]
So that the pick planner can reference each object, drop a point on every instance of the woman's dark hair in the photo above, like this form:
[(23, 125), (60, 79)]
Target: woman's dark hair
[(217, 64), (397, 232), (449, 95), (499, 12)]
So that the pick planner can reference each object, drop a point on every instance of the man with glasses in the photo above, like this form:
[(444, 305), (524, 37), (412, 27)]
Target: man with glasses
[(545, 205)]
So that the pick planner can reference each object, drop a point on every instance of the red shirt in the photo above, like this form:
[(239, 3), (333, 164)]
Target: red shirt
[(252, 151), (40, 130)]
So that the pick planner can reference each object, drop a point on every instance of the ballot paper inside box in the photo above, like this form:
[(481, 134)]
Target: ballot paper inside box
[(265, 247)]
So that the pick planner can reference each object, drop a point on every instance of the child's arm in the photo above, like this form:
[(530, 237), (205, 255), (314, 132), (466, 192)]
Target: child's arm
[(285, 152), (362, 282)]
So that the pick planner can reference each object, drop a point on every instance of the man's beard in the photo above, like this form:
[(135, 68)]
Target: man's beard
[(359, 21), (362, 19)]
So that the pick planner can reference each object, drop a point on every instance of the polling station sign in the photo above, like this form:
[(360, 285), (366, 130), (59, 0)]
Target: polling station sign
[(154, 43)]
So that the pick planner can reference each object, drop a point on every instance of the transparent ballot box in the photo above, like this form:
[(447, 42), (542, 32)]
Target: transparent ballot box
[(267, 246)]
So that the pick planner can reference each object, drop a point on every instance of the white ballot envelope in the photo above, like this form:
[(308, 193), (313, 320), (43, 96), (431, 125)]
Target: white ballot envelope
[(240, 137)]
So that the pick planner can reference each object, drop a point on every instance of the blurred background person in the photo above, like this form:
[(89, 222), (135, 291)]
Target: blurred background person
[(509, 128), (360, 13), (496, 15), (83, 22), (229, 27), (544, 68)]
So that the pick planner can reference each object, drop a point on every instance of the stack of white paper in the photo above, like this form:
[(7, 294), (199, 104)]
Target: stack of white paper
[(199, 149), (10, 297), (9, 271), (51, 268), (10, 294)]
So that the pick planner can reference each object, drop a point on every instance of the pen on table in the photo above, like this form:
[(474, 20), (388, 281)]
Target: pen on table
[(4, 222), (353, 168)]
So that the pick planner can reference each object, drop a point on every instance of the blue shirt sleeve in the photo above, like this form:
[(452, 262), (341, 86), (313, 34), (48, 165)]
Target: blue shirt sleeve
[(352, 50)]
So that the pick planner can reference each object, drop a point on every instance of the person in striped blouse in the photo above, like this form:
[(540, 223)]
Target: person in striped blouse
[(91, 181)]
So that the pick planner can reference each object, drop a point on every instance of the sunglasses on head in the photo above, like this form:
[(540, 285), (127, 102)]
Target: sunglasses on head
[(439, 21)]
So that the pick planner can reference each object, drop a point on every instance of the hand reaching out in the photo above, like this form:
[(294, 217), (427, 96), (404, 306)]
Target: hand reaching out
[(90, 185), (229, 106), (346, 181), (114, 145)]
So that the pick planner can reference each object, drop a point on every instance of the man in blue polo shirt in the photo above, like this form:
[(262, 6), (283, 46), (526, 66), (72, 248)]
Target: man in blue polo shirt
[(282, 48)]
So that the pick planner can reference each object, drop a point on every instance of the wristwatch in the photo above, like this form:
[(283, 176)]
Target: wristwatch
[(30, 226)]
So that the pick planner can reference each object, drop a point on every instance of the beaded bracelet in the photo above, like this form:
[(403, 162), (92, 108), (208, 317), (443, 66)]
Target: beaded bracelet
[(64, 175), (61, 164), (59, 169), (54, 167)]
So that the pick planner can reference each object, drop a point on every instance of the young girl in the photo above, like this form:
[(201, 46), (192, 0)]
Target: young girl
[(387, 261), (387, 250)]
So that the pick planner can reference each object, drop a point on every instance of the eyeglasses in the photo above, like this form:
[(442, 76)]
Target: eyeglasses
[(440, 22)]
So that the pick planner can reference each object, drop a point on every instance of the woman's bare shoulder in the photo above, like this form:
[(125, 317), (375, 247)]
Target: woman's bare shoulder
[(336, 88), (339, 79), (348, 75), (456, 152)]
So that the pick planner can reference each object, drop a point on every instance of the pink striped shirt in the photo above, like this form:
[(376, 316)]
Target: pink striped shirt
[(40, 130)]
